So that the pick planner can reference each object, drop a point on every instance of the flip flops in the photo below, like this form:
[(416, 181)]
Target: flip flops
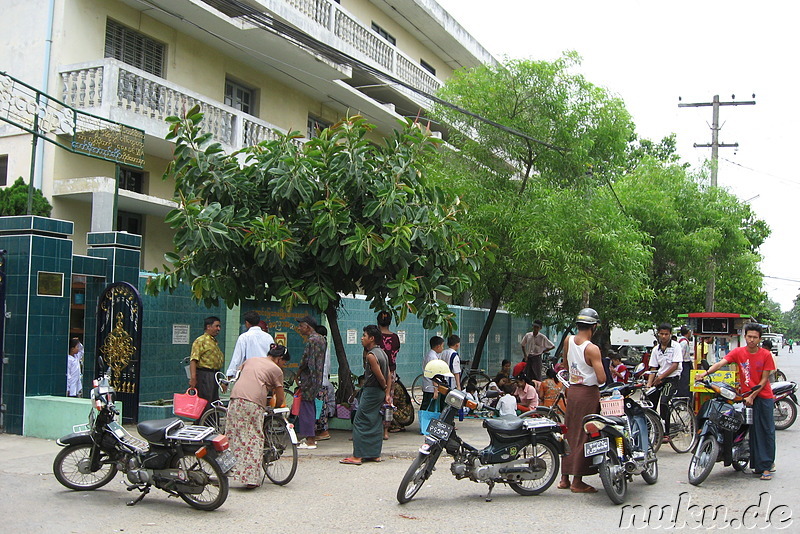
[(766, 475), (350, 461), (587, 489), (375, 460)]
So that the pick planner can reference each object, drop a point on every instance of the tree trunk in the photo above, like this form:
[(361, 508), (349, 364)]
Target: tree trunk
[(487, 327), (345, 389), (602, 338)]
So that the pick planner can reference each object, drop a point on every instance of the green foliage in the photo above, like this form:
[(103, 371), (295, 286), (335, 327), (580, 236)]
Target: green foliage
[(307, 222), (687, 224), (14, 200), (559, 233), (791, 319)]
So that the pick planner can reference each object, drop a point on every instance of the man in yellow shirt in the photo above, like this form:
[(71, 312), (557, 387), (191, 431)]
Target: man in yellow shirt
[(206, 360)]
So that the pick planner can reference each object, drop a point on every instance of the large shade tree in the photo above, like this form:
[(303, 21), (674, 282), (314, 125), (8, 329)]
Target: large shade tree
[(308, 222), (538, 186)]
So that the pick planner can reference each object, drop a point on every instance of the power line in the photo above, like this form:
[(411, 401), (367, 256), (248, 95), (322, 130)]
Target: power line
[(761, 172), (782, 279)]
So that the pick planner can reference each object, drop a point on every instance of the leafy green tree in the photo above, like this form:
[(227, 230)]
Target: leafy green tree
[(791, 319), (542, 197), (308, 222), (686, 223), (14, 200)]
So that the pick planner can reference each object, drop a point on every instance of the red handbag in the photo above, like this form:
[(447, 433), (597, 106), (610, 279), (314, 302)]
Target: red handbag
[(296, 400), (188, 404)]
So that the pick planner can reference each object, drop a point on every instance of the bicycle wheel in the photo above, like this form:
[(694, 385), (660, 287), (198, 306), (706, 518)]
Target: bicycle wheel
[(280, 454), (655, 429), (682, 427), (416, 390), (215, 418)]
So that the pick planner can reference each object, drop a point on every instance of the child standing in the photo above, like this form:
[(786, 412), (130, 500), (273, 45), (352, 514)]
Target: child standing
[(74, 365), (619, 371), (429, 393), (453, 360)]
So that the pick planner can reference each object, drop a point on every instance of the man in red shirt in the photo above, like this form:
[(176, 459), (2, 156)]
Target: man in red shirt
[(755, 364)]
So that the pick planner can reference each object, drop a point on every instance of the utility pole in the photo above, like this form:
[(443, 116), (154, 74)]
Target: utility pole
[(715, 145)]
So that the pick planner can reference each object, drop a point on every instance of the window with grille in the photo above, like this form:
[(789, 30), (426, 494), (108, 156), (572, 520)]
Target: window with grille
[(383, 33), (134, 48), (427, 66), (4, 169), (315, 125), (132, 180), (240, 97)]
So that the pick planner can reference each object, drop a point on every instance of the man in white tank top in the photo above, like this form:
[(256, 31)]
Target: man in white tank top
[(583, 397)]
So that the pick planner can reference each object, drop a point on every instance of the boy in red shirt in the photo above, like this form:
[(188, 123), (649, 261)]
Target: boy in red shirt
[(755, 363)]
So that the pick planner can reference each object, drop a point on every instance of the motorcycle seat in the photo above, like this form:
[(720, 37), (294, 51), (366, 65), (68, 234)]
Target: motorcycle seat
[(779, 388), (503, 423), (155, 430), (610, 419)]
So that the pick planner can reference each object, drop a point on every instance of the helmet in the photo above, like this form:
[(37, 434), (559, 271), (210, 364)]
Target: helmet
[(587, 316), (437, 367)]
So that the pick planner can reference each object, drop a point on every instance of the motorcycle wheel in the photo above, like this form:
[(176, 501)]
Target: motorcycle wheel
[(204, 472), (542, 453), (682, 427), (613, 477), (71, 468), (215, 418), (780, 376), (650, 475), (418, 472), (655, 429), (784, 413), (551, 414), (703, 459), (280, 454)]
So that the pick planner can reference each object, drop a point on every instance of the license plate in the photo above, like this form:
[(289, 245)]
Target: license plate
[(117, 429), (593, 448), (226, 461), (440, 430)]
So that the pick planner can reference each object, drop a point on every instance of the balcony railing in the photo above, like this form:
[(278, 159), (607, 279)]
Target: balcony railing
[(343, 25), (109, 87)]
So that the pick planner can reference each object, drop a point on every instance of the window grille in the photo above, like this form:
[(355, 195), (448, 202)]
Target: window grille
[(4, 169), (131, 180), (134, 48), (314, 125), (383, 33), (427, 66)]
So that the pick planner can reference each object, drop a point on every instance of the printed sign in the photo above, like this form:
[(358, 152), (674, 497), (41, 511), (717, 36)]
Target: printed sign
[(280, 338), (402, 335), (471, 337), (729, 377), (180, 334), (352, 336)]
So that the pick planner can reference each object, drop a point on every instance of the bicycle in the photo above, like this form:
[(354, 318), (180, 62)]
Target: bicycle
[(682, 424), (478, 376), (279, 464)]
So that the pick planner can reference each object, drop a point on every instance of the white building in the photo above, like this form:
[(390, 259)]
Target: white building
[(252, 65)]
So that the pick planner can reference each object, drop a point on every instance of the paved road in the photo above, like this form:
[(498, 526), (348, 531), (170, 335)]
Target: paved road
[(328, 497)]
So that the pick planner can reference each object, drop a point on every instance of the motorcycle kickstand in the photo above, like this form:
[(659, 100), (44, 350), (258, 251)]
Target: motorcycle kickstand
[(489, 494), (144, 491)]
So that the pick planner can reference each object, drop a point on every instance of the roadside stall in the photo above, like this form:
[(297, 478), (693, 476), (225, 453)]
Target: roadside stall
[(715, 334)]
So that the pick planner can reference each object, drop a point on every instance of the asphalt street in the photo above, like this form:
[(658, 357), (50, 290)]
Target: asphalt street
[(326, 496)]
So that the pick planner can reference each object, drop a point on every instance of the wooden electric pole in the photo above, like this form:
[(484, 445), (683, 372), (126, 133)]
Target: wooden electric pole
[(715, 145)]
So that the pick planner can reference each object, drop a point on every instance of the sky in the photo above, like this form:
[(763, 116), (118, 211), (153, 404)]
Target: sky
[(650, 54)]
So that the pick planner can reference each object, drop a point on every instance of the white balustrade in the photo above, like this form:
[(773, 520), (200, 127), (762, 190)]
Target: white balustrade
[(109, 83)]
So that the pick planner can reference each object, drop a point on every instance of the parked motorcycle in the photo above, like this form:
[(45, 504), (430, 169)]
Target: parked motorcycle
[(785, 411), (188, 461), (523, 453), (619, 444), (725, 423)]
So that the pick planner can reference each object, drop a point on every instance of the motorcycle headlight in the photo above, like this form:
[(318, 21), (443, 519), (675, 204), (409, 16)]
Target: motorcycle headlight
[(455, 398), (727, 393)]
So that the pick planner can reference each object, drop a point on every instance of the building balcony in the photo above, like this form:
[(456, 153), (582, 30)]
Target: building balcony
[(111, 89)]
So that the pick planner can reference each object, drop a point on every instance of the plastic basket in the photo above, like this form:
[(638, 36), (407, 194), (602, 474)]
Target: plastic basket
[(612, 406)]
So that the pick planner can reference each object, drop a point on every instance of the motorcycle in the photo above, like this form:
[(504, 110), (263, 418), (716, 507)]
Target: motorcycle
[(524, 453), (619, 444), (190, 462), (725, 423), (785, 411)]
